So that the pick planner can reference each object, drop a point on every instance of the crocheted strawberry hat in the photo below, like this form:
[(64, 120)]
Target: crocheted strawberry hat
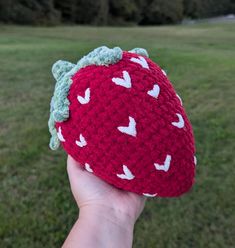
[(118, 115)]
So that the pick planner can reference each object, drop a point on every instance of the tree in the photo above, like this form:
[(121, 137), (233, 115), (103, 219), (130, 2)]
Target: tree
[(162, 12), (124, 11), (67, 9), (203, 9), (28, 11), (231, 7), (92, 12), (83, 11)]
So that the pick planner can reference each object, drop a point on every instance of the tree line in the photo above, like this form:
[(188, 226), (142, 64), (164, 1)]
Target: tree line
[(110, 12)]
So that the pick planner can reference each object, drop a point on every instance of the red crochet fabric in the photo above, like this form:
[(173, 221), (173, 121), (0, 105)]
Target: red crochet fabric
[(155, 156)]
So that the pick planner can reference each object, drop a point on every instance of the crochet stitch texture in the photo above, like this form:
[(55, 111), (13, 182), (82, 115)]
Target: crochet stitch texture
[(123, 121)]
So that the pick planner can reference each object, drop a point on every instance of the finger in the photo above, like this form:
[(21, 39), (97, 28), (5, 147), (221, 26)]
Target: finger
[(74, 169)]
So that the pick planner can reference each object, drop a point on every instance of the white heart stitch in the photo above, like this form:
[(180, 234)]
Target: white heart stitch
[(125, 81), (60, 135), (88, 168), (165, 167), (164, 73), (195, 160), (180, 123), (149, 195), (86, 99), (127, 174), (141, 61), (82, 141), (131, 129), (155, 91), (181, 102)]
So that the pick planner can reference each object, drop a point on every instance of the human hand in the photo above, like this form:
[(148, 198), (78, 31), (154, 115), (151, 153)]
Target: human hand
[(106, 214), (94, 195)]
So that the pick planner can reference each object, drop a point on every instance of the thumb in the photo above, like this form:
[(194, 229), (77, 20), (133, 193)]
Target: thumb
[(74, 170)]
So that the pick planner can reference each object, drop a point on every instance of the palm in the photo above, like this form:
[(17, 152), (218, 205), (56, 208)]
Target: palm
[(89, 189)]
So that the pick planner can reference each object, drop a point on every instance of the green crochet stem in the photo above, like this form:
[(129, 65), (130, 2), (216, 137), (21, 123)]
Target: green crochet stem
[(140, 51), (63, 72)]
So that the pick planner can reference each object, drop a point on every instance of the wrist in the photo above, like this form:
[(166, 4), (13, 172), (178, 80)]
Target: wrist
[(107, 214), (111, 225)]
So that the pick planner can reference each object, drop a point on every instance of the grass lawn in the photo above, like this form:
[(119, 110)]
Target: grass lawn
[(36, 206)]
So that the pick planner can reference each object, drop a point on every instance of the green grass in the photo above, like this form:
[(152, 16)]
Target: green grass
[(36, 206)]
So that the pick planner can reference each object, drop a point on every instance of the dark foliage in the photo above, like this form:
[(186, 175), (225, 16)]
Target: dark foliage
[(28, 12), (209, 8), (162, 12), (110, 12)]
